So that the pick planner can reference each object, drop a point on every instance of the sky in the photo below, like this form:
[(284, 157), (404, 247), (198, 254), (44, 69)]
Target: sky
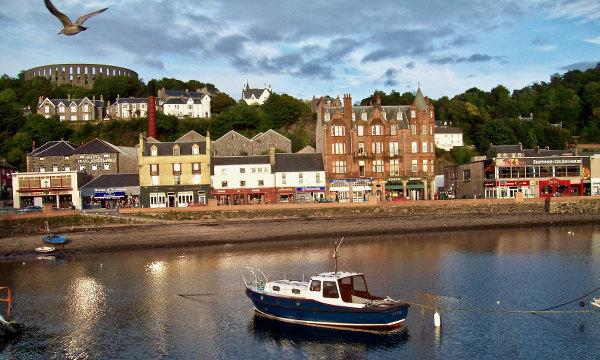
[(314, 48)]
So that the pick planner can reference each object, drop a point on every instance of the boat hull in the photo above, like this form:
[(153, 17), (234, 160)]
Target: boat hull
[(54, 239), (316, 313)]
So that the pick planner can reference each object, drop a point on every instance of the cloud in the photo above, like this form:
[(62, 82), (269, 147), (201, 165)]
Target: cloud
[(475, 58), (585, 10), (314, 70), (593, 41)]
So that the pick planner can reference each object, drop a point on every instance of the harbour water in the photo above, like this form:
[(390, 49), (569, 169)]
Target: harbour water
[(127, 305)]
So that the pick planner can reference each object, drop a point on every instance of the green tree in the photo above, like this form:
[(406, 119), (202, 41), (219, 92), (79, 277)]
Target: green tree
[(220, 103)]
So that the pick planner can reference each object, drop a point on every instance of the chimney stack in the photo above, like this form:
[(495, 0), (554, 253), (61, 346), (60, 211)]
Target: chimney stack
[(347, 106), (151, 111), (272, 156)]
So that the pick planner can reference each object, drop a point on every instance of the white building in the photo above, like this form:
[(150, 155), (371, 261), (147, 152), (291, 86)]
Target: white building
[(61, 189), (193, 107), (299, 178), (595, 175), (127, 108), (255, 96), (448, 137), (240, 180)]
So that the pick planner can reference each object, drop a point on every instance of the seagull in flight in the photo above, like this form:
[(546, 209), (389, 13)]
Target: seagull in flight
[(70, 28)]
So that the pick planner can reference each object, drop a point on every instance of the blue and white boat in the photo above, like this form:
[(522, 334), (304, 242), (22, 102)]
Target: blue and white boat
[(336, 299)]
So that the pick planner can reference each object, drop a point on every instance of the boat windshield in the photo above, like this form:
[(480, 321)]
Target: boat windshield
[(352, 287)]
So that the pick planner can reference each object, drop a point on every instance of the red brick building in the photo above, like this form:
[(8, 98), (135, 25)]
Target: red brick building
[(386, 151)]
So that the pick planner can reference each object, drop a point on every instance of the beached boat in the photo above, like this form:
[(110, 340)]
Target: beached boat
[(337, 299), (45, 249), (54, 239)]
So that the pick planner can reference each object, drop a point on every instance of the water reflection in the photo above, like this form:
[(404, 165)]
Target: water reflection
[(86, 303), (323, 342)]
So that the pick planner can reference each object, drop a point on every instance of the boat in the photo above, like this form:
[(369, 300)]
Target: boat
[(54, 239), (333, 299), (45, 249), (595, 302)]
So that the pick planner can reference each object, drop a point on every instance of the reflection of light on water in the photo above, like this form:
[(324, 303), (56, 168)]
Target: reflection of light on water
[(156, 267), (156, 281), (86, 299)]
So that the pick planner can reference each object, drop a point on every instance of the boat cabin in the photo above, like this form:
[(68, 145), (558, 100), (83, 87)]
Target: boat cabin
[(341, 288)]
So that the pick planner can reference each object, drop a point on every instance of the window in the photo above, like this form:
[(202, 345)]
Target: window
[(378, 166), (424, 129), (154, 169), (153, 152), (467, 175), (242, 183), (175, 151), (61, 109), (413, 114), (81, 167), (177, 179), (424, 165), (360, 129), (330, 289), (393, 129), (73, 117), (377, 147), (224, 184), (196, 168), (318, 180), (415, 165), (275, 288), (86, 108), (394, 167), (196, 178), (377, 130), (315, 285), (361, 149), (46, 109), (424, 145), (414, 147), (431, 148), (176, 168), (67, 168), (296, 291), (413, 129), (327, 116), (399, 115), (73, 108), (54, 167), (363, 116), (242, 170), (157, 199), (393, 148), (338, 130), (338, 148), (261, 183), (301, 178), (154, 180), (339, 167), (195, 150), (283, 178), (106, 166)]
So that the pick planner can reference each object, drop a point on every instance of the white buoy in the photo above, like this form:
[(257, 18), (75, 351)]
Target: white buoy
[(437, 321)]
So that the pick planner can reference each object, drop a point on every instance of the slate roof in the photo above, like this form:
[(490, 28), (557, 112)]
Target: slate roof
[(191, 136), (298, 162), (511, 149), (391, 112), (68, 102), (4, 164), (179, 93), (55, 148), (448, 130), (114, 180), (176, 101), (166, 148), (546, 152), (240, 160), (420, 102), (131, 100)]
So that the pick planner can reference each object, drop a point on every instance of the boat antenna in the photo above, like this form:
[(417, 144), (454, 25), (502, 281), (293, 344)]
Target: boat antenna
[(336, 246)]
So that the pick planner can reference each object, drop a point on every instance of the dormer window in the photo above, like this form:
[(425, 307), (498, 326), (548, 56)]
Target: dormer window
[(363, 116), (353, 117), (399, 115), (176, 151), (327, 116), (195, 149), (384, 115), (413, 114), (153, 151)]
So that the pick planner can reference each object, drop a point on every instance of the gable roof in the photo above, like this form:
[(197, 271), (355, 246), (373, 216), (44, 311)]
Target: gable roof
[(239, 160), (448, 130), (55, 148), (68, 102), (191, 136), (298, 162), (95, 146), (166, 148)]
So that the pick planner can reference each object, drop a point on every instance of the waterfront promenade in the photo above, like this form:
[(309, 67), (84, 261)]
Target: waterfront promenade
[(243, 224)]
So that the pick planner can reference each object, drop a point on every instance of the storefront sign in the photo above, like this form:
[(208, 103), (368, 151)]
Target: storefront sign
[(556, 161), (311, 188), (109, 195), (489, 184), (514, 183), (351, 180), (110, 189)]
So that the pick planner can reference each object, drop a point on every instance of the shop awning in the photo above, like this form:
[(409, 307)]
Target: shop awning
[(109, 195), (399, 187)]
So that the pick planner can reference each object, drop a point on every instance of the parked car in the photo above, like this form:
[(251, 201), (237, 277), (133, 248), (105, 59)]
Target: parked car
[(30, 208), (323, 200), (400, 198)]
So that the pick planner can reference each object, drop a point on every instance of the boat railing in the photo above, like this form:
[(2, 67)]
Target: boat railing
[(7, 300), (258, 278)]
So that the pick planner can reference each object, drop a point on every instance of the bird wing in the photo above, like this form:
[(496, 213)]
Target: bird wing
[(83, 18), (64, 19)]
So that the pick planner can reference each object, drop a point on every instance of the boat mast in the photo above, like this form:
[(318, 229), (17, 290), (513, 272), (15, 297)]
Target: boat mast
[(336, 246)]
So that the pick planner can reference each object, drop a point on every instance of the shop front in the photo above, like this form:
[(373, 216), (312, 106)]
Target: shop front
[(350, 190), (558, 187), (408, 188), (111, 191), (174, 195), (506, 189), (285, 195), (60, 189), (252, 196), (309, 194)]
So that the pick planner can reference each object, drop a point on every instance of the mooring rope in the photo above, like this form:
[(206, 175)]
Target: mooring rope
[(549, 310)]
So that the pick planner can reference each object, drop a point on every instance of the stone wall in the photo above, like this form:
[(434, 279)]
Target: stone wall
[(82, 75), (569, 206)]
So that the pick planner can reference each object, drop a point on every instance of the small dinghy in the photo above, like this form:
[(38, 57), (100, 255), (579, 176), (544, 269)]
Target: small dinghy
[(45, 249), (54, 239), (596, 302)]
